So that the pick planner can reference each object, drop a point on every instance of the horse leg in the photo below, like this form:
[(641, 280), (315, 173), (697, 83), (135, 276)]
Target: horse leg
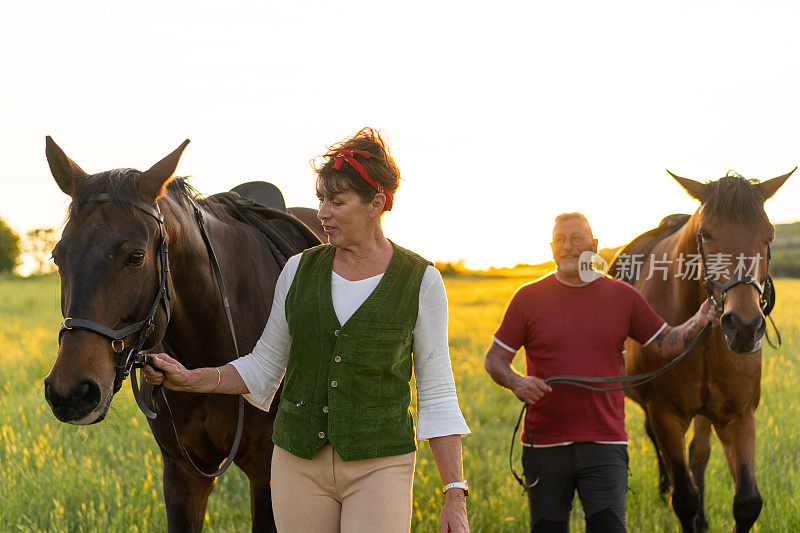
[(739, 441), (663, 476), (669, 429), (258, 474), (185, 495), (699, 452)]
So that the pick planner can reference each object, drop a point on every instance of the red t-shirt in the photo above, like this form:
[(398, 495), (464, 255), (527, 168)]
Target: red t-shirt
[(579, 331)]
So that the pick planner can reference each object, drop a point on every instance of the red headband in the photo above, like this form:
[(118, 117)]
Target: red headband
[(348, 155)]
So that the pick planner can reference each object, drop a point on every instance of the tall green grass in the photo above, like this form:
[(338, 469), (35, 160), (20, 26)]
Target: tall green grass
[(58, 477)]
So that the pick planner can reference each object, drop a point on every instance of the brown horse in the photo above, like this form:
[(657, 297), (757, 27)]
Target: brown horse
[(718, 383), (111, 267), (308, 217)]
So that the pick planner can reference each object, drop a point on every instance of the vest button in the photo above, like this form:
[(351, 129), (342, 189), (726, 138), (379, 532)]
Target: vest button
[(325, 409), (337, 359), (321, 435), (336, 332), (334, 383)]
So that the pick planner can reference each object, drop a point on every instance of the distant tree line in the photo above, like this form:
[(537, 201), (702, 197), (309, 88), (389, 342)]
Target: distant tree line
[(36, 245), (785, 260), (9, 248)]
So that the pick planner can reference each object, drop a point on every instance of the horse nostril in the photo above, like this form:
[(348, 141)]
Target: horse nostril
[(733, 326), (730, 323), (758, 327), (47, 387), (86, 394)]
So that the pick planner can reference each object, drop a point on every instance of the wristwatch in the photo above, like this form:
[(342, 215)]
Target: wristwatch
[(457, 485)]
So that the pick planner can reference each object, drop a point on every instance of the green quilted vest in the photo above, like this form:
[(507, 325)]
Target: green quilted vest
[(350, 384)]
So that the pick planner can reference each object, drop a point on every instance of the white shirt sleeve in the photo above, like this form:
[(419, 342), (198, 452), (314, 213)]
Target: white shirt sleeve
[(262, 369), (438, 413)]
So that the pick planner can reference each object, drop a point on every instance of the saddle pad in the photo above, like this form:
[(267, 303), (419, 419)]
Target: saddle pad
[(285, 234)]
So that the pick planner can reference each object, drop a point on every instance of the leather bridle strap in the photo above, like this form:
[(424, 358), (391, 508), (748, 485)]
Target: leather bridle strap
[(125, 361), (226, 307), (100, 329), (709, 283)]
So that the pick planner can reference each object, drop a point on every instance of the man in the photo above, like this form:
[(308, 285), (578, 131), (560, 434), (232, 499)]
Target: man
[(571, 323)]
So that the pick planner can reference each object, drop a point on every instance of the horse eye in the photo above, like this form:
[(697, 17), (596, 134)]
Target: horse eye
[(136, 258), (705, 235)]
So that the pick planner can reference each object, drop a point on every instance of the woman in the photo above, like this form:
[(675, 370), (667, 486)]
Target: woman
[(345, 320)]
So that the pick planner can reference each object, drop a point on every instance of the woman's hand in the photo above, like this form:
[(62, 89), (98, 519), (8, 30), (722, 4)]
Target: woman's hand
[(446, 452), (166, 371), (453, 517)]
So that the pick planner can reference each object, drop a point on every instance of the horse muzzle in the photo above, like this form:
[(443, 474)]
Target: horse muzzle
[(742, 337), (81, 404)]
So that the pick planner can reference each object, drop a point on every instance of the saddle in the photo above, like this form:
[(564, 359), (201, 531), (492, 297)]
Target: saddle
[(645, 242), (262, 192), (285, 234)]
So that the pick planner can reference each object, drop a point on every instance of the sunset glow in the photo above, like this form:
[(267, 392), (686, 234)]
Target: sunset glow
[(499, 118)]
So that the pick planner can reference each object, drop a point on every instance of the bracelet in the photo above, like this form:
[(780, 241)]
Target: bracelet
[(219, 380), (457, 485)]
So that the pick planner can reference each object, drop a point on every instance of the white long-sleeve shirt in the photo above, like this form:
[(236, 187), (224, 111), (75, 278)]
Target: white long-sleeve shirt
[(438, 413)]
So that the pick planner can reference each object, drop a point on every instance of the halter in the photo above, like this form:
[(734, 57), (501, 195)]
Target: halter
[(765, 288), (129, 357)]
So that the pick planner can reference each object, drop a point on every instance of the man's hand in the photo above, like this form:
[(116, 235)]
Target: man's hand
[(707, 313), (497, 362), (673, 340), (529, 389), (453, 517)]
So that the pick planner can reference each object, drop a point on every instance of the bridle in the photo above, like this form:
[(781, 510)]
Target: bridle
[(765, 288), (126, 358), (131, 356)]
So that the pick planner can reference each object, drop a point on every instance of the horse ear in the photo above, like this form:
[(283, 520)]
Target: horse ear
[(695, 189), (770, 187), (64, 169), (152, 183)]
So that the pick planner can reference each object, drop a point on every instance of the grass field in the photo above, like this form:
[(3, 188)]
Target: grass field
[(107, 477)]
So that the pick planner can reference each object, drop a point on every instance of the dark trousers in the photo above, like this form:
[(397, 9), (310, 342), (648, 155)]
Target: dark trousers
[(599, 472)]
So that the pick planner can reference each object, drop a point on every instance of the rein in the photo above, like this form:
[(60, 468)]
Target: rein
[(633, 380), (129, 357)]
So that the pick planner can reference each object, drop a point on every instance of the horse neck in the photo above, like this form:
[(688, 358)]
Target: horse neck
[(690, 290), (197, 333)]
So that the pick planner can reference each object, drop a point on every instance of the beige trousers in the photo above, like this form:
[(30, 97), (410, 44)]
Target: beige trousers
[(329, 495)]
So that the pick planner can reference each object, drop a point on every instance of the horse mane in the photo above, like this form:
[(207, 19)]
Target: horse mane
[(120, 185), (736, 198)]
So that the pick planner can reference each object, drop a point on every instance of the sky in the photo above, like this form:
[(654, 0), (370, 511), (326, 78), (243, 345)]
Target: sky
[(500, 115)]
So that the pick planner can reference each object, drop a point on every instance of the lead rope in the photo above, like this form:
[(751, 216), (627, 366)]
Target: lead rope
[(159, 389), (578, 381), (777, 333)]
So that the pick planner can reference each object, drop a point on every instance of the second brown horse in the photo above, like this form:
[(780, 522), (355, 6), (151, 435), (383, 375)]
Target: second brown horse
[(719, 382)]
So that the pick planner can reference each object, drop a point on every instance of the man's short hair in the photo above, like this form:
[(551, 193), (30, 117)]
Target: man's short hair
[(569, 216)]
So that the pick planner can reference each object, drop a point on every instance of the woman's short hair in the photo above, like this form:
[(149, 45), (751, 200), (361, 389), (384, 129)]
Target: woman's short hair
[(380, 166)]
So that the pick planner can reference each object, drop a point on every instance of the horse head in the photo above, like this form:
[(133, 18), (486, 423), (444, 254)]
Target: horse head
[(110, 260), (733, 235)]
